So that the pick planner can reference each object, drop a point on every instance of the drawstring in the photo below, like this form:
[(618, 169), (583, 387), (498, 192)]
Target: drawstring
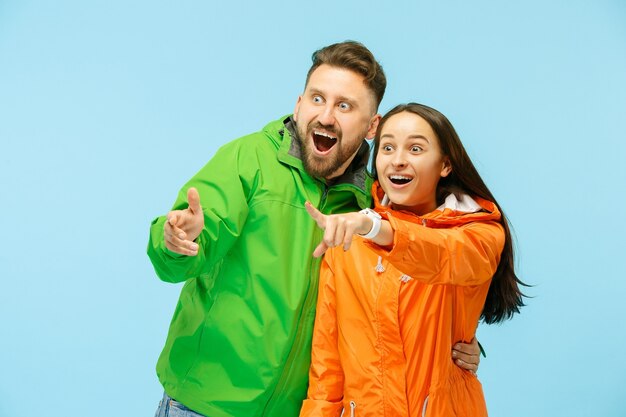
[(352, 407), (424, 407), (379, 267), (405, 278)]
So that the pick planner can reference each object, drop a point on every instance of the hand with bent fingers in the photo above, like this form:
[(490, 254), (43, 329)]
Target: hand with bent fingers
[(467, 355), (339, 229), (184, 226)]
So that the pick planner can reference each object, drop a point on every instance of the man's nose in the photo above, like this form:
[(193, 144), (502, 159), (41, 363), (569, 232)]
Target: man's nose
[(327, 116)]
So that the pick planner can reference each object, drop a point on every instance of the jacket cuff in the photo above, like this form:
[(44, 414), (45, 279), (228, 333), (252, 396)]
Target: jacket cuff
[(401, 239)]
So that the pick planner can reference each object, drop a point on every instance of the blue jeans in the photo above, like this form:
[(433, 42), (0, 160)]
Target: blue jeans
[(168, 407)]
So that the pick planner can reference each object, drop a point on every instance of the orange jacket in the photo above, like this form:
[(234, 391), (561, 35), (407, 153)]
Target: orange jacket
[(387, 317)]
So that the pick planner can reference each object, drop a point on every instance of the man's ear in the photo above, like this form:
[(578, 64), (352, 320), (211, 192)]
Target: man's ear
[(446, 168), (373, 126), (296, 109)]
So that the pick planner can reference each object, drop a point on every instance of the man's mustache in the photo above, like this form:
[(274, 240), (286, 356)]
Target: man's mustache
[(329, 128)]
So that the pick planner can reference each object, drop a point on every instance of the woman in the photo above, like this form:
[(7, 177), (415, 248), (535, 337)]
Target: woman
[(433, 258)]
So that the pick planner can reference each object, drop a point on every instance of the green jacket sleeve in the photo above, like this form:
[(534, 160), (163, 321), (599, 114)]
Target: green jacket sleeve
[(224, 192)]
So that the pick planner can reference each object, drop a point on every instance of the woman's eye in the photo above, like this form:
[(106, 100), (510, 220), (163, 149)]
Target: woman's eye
[(416, 148), (387, 148)]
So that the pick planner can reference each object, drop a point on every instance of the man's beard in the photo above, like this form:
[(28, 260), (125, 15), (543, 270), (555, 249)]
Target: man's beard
[(324, 166)]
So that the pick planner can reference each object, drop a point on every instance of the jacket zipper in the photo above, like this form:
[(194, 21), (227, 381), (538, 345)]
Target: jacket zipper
[(306, 306), (324, 196)]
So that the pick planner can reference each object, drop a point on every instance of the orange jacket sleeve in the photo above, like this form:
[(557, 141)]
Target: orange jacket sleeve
[(467, 254), (326, 378)]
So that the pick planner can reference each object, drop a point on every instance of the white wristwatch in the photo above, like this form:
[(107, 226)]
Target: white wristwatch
[(376, 223)]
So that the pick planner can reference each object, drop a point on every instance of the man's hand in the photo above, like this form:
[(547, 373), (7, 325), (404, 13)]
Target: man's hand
[(184, 226), (338, 228), (467, 356)]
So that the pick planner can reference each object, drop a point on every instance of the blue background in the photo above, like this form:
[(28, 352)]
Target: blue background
[(108, 107)]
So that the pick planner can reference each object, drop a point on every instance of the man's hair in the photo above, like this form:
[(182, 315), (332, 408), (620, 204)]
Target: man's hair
[(353, 56)]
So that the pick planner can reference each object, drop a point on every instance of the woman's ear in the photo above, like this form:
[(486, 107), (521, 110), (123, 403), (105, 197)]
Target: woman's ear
[(446, 168)]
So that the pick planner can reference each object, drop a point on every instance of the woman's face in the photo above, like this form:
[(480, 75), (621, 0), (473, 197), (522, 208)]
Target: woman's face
[(409, 163)]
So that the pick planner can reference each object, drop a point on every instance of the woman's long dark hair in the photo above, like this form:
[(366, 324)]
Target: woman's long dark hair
[(504, 297)]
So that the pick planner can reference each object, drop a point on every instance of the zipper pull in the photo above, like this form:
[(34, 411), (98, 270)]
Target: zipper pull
[(324, 193)]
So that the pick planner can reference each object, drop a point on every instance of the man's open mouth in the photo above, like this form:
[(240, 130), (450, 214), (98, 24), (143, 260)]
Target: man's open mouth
[(323, 141), (400, 179)]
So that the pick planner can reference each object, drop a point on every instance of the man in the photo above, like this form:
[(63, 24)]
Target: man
[(239, 235)]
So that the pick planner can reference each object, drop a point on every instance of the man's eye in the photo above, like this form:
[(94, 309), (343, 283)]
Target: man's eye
[(344, 106), (317, 99), (387, 148)]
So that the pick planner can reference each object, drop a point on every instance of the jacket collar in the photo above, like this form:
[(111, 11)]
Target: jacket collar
[(456, 209), (290, 152)]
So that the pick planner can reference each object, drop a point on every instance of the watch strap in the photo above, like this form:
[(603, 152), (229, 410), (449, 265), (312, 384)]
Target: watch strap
[(376, 223)]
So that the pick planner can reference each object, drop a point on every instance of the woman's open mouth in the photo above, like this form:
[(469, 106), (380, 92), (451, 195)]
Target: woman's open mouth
[(400, 179)]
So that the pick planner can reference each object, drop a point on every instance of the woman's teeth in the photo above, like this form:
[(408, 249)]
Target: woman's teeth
[(400, 179)]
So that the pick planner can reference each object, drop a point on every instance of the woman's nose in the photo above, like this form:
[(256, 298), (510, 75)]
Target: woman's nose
[(399, 159)]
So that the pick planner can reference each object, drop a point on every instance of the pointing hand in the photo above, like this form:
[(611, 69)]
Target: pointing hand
[(338, 228), (184, 226)]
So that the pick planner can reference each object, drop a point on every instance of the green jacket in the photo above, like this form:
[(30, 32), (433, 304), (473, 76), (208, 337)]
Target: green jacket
[(240, 339)]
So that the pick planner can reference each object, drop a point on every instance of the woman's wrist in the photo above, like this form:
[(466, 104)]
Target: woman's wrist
[(370, 218)]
